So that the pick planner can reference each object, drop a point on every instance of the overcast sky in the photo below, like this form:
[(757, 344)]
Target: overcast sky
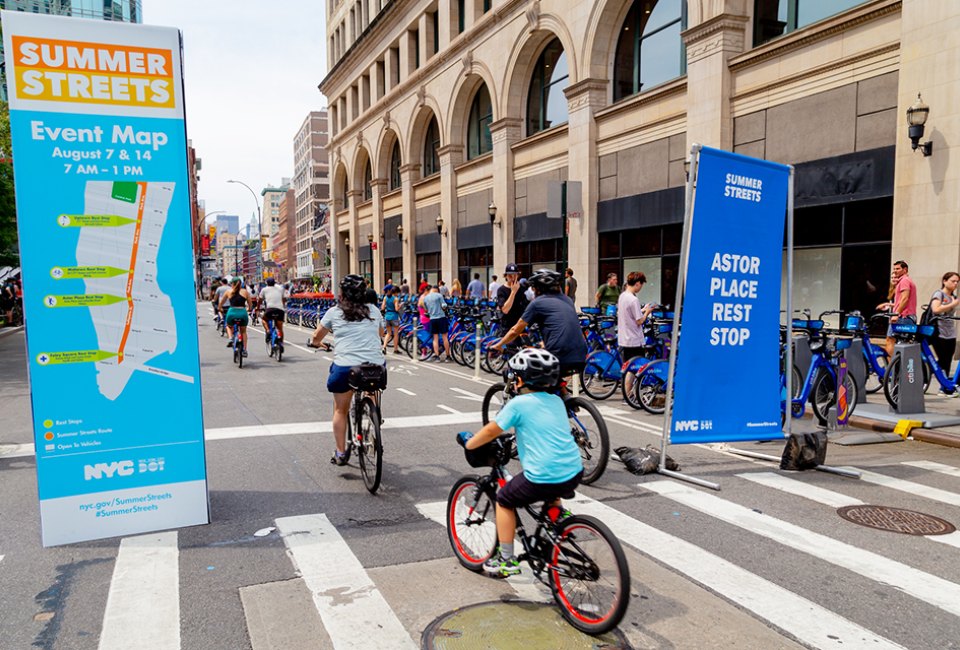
[(252, 69)]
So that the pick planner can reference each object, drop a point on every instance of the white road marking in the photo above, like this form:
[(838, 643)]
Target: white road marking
[(17, 451), (914, 582), (801, 489), (326, 358), (916, 489), (525, 585), (406, 392), (933, 467), (827, 498), (805, 620), (143, 604), (448, 409), (354, 612), (300, 428), (467, 395)]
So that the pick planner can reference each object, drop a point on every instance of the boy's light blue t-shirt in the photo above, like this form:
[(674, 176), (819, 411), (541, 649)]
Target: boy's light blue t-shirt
[(548, 452), (433, 303)]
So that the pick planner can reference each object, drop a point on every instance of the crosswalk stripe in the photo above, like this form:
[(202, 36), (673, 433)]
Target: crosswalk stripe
[(526, 586), (803, 619), (916, 489), (353, 611), (933, 467), (924, 586), (143, 604), (801, 489), (828, 498)]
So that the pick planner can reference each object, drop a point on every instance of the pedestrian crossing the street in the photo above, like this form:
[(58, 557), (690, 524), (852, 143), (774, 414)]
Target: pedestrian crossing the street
[(356, 607)]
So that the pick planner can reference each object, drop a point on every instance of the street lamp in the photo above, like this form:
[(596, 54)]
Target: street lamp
[(259, 225), (369, 237), (400, 232), (492, 211), (916, 118), (439, 222)]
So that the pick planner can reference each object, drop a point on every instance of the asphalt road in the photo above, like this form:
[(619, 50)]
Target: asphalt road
[(764, 563)]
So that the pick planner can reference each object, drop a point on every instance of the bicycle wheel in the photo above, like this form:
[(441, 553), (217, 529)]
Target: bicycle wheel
[(468, 353), (591, 435), (873, 382), (596, 380), (493, 400), (650, 392), (471, 522), (279, 353), (824, 395), (891, 383), (240, 353), (496, 361), (370, 450), (589, 575), (236, 352)]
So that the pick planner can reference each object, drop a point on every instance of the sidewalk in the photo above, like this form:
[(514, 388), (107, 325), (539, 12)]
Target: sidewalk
[(883, 420)]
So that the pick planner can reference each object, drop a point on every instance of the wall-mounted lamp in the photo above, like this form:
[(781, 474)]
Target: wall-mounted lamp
[(492, 211), (400, 232), (439, 222), (346, 242), (916, 118), (369, 237)]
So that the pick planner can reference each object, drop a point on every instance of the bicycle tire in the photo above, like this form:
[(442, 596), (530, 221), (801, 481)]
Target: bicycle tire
[(594, 558), (279, 353), (824, 395), (651, 392), (872, 382), (594, 443), (240, 353), (595, 384), (891, 383), (472, 550), (468, 352), (370, 451), (495, 391), (236, 353)]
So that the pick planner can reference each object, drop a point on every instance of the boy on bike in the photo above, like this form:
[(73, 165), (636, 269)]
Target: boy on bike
[(549, 454)]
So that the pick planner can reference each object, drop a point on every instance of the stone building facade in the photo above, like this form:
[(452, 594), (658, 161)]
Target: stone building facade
[(311, 185), (448, 119)]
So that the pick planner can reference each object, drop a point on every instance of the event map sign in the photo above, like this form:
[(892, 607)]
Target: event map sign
[(727, 384), (103, 210)]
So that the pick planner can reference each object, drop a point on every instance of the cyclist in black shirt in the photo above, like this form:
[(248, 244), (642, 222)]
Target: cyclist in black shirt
[(556, 316), (510, 297)]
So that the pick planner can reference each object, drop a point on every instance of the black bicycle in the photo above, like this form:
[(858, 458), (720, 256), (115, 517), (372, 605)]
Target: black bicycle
[(587, 426), (576, 556)]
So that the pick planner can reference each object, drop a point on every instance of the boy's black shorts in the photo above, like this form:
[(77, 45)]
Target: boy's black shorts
[(519, 492)]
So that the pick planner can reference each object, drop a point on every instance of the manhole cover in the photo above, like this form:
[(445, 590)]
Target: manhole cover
[(896, 520), (513, 624)]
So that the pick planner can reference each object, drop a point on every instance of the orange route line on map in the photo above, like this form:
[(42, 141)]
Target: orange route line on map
[(133, 265)]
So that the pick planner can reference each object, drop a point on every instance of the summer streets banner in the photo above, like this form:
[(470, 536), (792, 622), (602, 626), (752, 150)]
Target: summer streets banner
[(727, 385), (99, 144)]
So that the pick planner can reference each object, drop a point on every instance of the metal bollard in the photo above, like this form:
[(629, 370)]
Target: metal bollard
[(476, 352)]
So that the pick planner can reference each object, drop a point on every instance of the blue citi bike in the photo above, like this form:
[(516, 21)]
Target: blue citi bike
[(274, 345), (819, 387), (908, 332), (236, 344)]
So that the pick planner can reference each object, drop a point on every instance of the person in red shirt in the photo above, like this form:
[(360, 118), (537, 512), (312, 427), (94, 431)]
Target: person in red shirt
[(904, 304)]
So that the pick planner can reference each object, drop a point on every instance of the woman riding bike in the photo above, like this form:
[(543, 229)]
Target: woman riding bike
[(357, 328), (239, 301)]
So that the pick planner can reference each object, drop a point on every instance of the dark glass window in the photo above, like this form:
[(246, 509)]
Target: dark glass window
[(436, 32), (431, 147), (479, 141), (868, 221), (546, 103), (773, 18), (395, 166), (818, 226), (610, 244), (486, 5), (415, 37), (367, 182), (649, 50), (393, 266), (461, 17)]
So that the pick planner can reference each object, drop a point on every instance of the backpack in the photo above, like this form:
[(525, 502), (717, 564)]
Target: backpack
[(926, 318)]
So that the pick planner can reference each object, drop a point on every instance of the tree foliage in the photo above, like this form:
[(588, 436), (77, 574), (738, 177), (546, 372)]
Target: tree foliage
[(9, 249)]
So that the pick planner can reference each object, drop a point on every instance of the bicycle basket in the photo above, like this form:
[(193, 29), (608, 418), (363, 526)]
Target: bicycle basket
[(926, 330), (367, 377), (853, 323), (483, 456)]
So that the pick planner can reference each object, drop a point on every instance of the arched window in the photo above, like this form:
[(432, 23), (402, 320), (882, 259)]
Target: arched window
[(395, 166), (431, 149), (345, 200), (479, 141), (649, 50), (546, 104), (773, 18), (367, 181)]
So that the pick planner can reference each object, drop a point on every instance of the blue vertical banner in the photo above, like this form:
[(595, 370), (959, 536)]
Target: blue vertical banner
[(727, 381), (103, 212)]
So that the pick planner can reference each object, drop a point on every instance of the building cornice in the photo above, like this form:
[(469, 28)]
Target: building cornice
[(657, 93), (810, 34)]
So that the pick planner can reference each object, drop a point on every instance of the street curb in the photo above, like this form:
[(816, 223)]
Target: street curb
[(5, 332), (871, 425)]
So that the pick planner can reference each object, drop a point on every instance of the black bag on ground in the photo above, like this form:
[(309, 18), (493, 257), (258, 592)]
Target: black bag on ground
[(644, 460), (804, 451)]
